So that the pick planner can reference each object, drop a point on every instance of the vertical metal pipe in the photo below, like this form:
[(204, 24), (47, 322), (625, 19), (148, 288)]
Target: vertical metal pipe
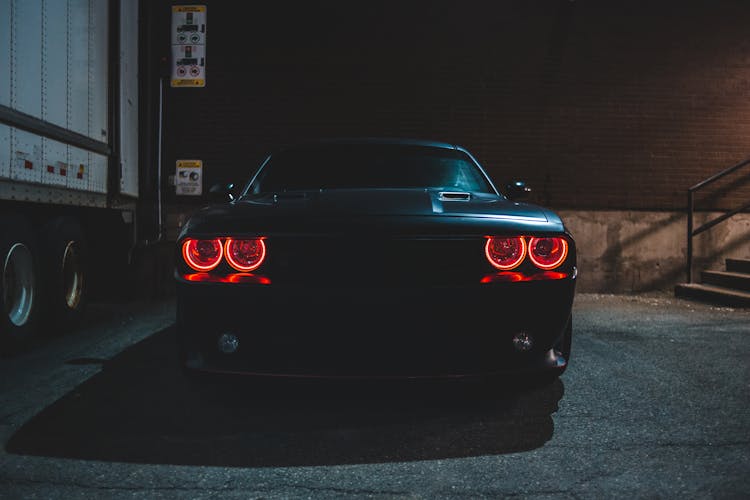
[(690, 209), (158, 161)]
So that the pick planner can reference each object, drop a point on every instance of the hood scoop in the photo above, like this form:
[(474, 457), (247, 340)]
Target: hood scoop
[(454, 196)]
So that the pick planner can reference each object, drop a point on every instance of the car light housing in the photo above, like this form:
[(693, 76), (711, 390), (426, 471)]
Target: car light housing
[(505, 253), (245, 255), (202, 255), (548, 253)]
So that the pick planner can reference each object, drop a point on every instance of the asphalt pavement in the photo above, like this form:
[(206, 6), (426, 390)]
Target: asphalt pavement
[(655, 404)]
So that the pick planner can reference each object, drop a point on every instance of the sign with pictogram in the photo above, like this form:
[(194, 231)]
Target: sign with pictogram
[(188, 177), (188, 46)]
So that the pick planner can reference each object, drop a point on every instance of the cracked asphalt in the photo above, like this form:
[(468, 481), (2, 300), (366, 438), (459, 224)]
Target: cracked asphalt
[(655, 404)]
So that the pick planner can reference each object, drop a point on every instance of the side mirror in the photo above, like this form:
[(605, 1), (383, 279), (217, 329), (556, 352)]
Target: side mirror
[(517, 190), (221, 193)]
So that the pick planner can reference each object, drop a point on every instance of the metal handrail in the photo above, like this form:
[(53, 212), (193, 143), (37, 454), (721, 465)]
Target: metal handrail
[(708, 225)]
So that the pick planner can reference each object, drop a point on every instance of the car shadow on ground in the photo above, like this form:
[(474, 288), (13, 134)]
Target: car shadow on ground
[(141, 408)]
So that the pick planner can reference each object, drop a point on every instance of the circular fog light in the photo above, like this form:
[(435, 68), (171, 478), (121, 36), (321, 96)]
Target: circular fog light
[(522, 341), (228, 343)]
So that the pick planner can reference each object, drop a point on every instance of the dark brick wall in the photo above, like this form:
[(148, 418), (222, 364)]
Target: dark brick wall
[(597, 104)]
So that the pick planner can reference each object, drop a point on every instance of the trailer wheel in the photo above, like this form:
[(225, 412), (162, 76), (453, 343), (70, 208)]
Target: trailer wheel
[(65, 258), (19, 297)]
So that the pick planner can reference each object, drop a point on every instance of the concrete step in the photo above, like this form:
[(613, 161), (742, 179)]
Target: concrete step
[(714, 294), (738, 265), (727, 279)]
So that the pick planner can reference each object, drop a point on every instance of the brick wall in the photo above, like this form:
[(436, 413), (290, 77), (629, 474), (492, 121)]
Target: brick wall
[(598, 105)]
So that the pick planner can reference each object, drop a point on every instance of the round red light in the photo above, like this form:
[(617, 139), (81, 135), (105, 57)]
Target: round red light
[(245, 255), (202, 255), (548, 253), (505, 253)]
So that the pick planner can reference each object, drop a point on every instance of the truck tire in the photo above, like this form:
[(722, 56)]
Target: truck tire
[(19, 285), (65, 265)]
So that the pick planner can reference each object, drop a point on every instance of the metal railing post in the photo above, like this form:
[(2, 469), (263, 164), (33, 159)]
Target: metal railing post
[(691, 232), (690, 236)]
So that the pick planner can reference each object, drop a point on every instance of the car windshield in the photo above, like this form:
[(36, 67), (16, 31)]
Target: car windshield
[(361, 166)]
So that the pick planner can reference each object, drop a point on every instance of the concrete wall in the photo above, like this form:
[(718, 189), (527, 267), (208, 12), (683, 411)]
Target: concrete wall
[(632, 251)]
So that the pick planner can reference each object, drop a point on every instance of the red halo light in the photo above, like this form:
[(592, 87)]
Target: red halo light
[(505, 253), (202, 255), (548, 253), (245, 255)]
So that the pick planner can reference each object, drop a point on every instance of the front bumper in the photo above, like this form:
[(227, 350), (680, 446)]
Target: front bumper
[(378, 332)]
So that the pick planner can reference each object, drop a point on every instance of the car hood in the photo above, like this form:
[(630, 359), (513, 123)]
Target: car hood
[(409, 211)]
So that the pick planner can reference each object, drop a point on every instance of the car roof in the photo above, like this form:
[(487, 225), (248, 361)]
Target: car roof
[(375, 140)]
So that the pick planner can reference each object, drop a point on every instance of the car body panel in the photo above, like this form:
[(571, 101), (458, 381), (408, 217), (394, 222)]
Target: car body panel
[(389, 210)]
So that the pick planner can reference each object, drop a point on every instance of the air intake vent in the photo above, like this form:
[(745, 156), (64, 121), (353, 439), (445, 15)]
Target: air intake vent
[(454, 196)]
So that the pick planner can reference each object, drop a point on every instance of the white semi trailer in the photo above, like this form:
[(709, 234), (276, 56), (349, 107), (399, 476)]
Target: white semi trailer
[(69, 169)]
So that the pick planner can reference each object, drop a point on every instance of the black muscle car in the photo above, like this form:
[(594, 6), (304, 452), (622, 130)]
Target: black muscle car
[(375, 258)]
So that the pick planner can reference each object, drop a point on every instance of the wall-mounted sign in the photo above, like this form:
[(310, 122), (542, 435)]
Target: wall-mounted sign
[(188, 46), (188, 177)]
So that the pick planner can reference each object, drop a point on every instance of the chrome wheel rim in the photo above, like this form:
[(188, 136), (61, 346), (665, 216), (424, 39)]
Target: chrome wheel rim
[(18, 284), (72, 274)]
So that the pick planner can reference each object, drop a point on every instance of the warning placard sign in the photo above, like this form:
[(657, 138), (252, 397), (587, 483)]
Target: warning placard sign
[(188, 46), (189, 177)]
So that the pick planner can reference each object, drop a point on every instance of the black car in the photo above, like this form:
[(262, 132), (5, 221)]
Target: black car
[(375, 258)]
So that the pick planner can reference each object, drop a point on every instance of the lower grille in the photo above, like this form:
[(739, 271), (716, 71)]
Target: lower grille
[(375, 261)]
